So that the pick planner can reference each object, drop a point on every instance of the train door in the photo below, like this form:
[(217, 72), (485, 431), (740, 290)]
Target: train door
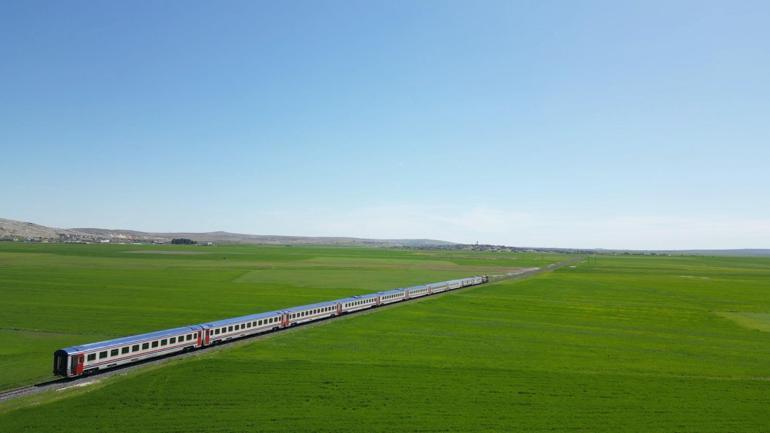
[(207, 338), (76, 366), (285, 320), (339, 308)]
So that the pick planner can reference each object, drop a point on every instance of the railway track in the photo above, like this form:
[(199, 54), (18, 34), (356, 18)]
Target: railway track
[(64, 383)]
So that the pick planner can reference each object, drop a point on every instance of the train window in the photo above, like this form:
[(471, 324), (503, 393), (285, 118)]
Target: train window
[(163, 342), (145, 346), (259, 323), (189, 337), (154, 344), (135, 348), (124, 350), (102, 354), (229, 328), (216, 331), (114, 352), (172, 340), (91, 356)]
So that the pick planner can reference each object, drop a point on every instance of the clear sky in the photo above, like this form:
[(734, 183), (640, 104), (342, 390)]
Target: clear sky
[(537, 123)]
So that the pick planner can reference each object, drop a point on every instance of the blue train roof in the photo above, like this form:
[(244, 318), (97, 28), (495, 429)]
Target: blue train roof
[(310, 306), (358, 297), (123, 341), (391, 292), (233, 320)]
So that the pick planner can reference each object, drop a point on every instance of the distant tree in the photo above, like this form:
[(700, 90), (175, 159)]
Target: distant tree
[(183, 241)]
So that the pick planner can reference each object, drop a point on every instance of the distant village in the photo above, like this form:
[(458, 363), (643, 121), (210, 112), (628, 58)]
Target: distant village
[(68, 238)]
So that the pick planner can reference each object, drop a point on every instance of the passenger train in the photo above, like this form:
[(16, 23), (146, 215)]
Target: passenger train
[(92, 357)]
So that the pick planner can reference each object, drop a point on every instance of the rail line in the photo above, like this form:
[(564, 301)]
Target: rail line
[(62, 383)]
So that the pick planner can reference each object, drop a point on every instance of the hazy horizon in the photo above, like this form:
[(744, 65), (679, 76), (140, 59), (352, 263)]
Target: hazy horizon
[(590, 125)]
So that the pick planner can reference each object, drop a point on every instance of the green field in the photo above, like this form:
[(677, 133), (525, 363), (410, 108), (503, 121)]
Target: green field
[(663, 344), (54, 296)]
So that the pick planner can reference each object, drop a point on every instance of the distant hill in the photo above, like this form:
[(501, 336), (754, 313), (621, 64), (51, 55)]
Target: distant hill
[(26, 231), (20, 230)]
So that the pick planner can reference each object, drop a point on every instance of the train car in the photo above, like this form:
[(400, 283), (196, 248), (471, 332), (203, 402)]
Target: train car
[(308, 313), (355, 303), (92, 357), (454, 284), (418, 291), (391, 296), (237, 327)]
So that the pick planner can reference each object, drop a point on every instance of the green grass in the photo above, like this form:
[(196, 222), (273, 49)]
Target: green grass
[(623, 344), (54, 295)]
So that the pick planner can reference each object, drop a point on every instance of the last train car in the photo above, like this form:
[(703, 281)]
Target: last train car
[(92, 357)]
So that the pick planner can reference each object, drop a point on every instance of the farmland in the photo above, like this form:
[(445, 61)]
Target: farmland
[(58, 295), (615, 344)]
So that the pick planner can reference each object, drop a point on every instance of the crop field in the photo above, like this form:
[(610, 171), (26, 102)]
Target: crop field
[(54, 296), (617, 343)]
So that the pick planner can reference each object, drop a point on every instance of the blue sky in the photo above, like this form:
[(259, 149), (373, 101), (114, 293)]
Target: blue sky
[(574, 124)]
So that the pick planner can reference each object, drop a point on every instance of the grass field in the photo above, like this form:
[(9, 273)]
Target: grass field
[(58, 295), (663, 344)]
